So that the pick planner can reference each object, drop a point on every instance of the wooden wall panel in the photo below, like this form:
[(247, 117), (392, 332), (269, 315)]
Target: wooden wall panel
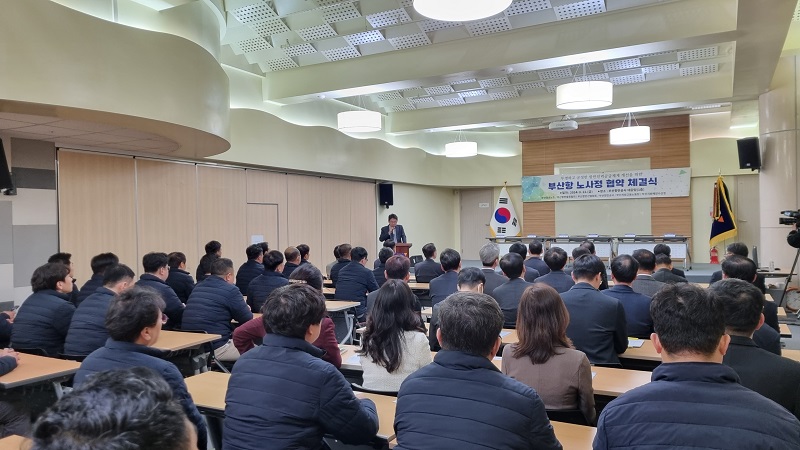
[(221, 211), (97, 208), (671, 215), (270, 188), (166, 205), (363, 220), (263, 219), (539, 219), (305, 221), (337, 204)]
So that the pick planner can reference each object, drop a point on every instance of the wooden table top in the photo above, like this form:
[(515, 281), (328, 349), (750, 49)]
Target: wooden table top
[(33, 369), (339, 305), (422, 286), (574, 437), (785, 330), (15, 442), (208, 389), (386, 406), (178, 340), (328, 290), (646, 352), (791, 354), (782, 313)]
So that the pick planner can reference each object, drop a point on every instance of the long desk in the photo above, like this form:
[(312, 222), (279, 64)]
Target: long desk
[(785, 330), (419, 286), (178, 340), (33, 369), (15, 442), (339, 305)]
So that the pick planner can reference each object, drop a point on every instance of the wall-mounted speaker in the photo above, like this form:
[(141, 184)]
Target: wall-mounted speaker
[(749, 153), (386, 194)]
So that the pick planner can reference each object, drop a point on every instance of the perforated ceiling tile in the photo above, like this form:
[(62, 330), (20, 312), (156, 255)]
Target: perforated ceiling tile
[(592, 77), (434, 25), (364, 37), (494, 82), (413, 92), (552, 88), (388, 18), (698, 70), (627, 79), (698, 53), (489, 26), (410, 41), (796, 15), (281, 64), (554, 74), (252, 45), (422, 100), (257, 12), (527, 6), (398, 108), (340, 12), (300, 49), (338, 54), (386, 96), (622, 64), (580, 9), (472, 93), (323, 3), (439, 90), (465, 81), (270, 27), (406, 3), (530, 85), (316, 33), (660, 68), (503, 95), (451, 101)]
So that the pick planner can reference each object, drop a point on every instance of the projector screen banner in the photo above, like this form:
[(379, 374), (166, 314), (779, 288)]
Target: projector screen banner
[(674, 182)]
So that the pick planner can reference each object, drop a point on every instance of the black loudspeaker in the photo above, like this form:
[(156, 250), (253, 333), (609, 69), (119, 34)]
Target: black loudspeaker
[(749, 153), (386, 194)]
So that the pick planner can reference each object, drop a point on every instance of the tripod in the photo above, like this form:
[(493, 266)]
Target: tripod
[(789, 279)]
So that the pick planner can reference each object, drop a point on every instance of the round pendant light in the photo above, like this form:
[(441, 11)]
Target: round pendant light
[(626, 135), (460, 10), (584, 95), (358, 121), (461, 149)]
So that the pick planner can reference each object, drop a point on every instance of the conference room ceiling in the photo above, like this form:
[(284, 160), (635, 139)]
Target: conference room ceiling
[(664, 57)]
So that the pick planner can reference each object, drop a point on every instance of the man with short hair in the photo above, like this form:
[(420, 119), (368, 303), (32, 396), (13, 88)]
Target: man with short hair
[(393, 231), (509, 293), (213, 251), (477, 406), (305, 253), (425, 271), (770, 375), (214, 303), (263, 285), (87, 330), (99, 264), (645, 283), (694, 401), (299, 397), (736, 248), (556, 259), (293, 260), (134, 325), (380, 267), (446, 283), (156, 271), (521, 249), (396, 268), (356, 281), (666, 250), (490, 258), (66, 259), (335, 260), (597, 324), (253, 267), (390, 244), (179, 279), (344, 259), (589, 245), (470, 279), (663, 271), (637, 306), (534, 261)]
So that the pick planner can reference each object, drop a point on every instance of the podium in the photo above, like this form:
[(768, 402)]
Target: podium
[(402, 247)]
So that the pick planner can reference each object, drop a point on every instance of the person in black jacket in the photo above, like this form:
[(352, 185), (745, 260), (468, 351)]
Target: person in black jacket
[(344, 259), (179, 279), (509, 293), (380, 267), (213, 251), (43, 319), (293, 260), (99, 265), (156, 271), (664, 249), (429, 269), (263, 285), (253, 267), (305, 253), (66, 259), (556, 259), (535, 249), (356, 281), (522, 250), (446, 283)]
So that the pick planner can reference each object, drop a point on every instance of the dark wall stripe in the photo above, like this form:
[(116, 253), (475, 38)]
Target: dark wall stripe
[(34, 178)]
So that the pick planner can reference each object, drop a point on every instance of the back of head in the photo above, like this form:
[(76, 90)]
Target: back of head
[(264, 247), (588, 245), (742, 302), (663, 260), (304, 250), (586, 267), (344, 250), (153, 261), (213, 247), (290, 310), (624, 268), (132, 311), (358, 254), (687, 320), (645, 258), (397, 267), (579, 251), (253, 251), (512, 265), (291, 254), (542, 320), (489, 253), (739, 267), (336, 253), (428, 250), (221, 267), (518, 248), (102, 261), (470, 322), (125, 409), (391, 316), (535, 247), (61, 257), (117, 273), (470, 278), (273, 259), (175, 259), (555, 258), (662, 249), (47, 276), (450, 259), (738, 248), (308, 274), (389, 243), (385, 254)]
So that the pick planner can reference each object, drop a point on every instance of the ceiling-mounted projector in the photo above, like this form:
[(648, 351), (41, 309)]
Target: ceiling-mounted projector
[(563, 125)]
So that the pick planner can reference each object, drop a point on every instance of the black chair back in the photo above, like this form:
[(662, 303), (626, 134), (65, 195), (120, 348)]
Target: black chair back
[(358, 388), (567, 415), (67, 356), (416, 259)]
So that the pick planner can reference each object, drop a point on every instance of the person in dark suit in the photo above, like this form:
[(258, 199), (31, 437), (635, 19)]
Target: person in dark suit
[(252, 268), (556, 259), (429, 269), (637, 306), (213, 251), (380, 268), (663, 271), (589, 245), (393, 231), (644, 282), (99, 265), (736, 248), (470, 279), (156, 270), (446, 283), (664, 249), (305, 253), (390, 244), (262, 286), (179, 279), (490, 257), (66, 259), (597, 324), (355, 281), (396, 268), (519, 248), (509, 293), (772, 376), (534, 261), (293, 260), (344, 259)]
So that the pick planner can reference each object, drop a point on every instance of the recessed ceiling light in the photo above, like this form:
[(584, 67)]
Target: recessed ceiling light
[(460, 10)]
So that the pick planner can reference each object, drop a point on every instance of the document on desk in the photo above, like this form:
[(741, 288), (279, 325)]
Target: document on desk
[(353, 360), (593, 374), (504, 333), (635, 343)]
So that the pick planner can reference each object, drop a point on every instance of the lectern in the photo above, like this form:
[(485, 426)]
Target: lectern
[(402, 247)]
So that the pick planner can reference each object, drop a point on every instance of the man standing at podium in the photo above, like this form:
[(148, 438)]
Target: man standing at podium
[(393, 231)]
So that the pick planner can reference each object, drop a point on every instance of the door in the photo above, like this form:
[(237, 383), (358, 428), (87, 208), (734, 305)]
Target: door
[(476, 212)]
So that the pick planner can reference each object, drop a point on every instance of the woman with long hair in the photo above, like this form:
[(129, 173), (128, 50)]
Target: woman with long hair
[(394, 344), (544, 358)]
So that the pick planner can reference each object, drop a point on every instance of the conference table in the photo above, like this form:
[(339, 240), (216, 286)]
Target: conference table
[(417, 286), (173, 341), (33, 369), (15, 442)]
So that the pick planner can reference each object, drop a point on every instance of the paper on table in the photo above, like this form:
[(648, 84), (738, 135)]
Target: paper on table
[(353, 360), (504, 333), (635, 343), (593, 374)]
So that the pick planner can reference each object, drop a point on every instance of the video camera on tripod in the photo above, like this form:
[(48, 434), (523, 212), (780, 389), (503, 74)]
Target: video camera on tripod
[(789, 217)]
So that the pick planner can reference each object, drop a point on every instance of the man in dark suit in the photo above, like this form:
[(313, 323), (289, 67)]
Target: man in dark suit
[(293, 260), (252, 268), (380, 267), (393, 231), (396, 268), (446, 283), (490, 257), (589, 245), (179, 279), (772, 376), (556, 259), (663, 271), (429, 269), (597, 323), (470, 279), (664, 249), (535, 260), (519, 248), (736, 248), (637, 306), (644, 282), (509, 293), (390, 244), (355, 281), (343, 260)]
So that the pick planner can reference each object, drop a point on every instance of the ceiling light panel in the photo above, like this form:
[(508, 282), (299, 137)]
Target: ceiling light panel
[(430, 25), (472, 93), (530, 85), (490, 26), (251, 45), (698, 70), (364, 37), (338, 54), (451, 101), (627, 79), (340, 12), (439, 90), (281, 64), (622, 64), (580, 9), (660, 68), (301, 49), (592, 77), (257, 12), (388, 18), (316, 33), (698, 53), (527, 6), (494, 82), (270, 27), (555, 74), (410, 41)]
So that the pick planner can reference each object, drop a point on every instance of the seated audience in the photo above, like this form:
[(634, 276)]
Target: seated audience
[(87, 331), (156, 271), (745, 269), (344, 259), (462, 400), (264, 284), (213, 251), (544, 358), (299, 398), (644, 283), (770, 375), (179, 279), (253, 267), (293, 260), (636, 305), (355, 281), (394, 344), (694, 401), (556, 259), (252, 333), (664, 249), (66, 259), (397, 268), (380, 266), (14, 416), (446, 283), (99, 264), (534, 261), (134, 325), (490, 258), (388, 244), (264, 250), (425, 271), (43, 319), (214, 303), (470, 279), (589, 245), (509, 293), (663, 271), (333, 263), (305, 253), (130, 409), (597, 324), (522, 250)]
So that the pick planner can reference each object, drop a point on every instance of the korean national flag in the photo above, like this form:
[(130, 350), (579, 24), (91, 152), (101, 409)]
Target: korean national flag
[(504, 220)]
